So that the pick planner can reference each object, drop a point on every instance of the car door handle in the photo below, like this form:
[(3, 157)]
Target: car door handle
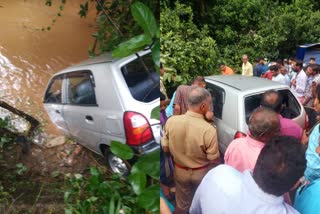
[(58, 111), (88, 117), (111, 117)]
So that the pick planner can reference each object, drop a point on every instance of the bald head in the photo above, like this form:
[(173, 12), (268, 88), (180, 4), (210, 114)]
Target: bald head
[(273, 100), (197, 96), (263, 124)]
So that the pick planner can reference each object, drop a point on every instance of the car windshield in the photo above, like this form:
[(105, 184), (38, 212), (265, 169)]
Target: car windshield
[(291, 108), (142, 79)]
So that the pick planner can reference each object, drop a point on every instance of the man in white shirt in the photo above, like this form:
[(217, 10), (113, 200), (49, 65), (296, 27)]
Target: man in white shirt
[(298, 84), (247, 69), (277, 76), (284, 72), (279, 167)]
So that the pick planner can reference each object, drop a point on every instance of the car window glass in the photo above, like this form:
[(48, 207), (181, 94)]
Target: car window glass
[(54, 92), (143, 85), (217, 99), (291, 108), (80, 90)]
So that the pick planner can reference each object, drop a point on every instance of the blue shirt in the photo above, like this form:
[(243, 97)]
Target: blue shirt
[(307, 198), (264, 69), (257, 71), (169, 109), (312, 171)]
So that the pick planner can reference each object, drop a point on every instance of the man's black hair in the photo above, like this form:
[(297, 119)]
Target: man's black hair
[(279, 61), (222, 63), (273, 68), (299, 63), (280, 165), (274, 104), (312, 58), (161, 66), (162, 97)]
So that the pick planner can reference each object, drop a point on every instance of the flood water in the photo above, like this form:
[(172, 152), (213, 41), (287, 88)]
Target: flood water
[(29, 56)]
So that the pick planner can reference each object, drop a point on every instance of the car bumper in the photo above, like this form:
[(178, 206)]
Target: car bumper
[(146, 148)]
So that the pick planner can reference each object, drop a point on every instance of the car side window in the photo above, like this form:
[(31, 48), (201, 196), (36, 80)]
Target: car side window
[(54, 92), (217, 94), (80, 88)]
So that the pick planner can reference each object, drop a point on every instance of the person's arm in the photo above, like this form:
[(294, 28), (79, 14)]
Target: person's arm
[(250, 70), (211, 146), (165, 138), (164, 208), (306, 100), (301, 84)]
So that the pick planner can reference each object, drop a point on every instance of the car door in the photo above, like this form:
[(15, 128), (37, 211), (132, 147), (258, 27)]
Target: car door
[(225, 123), (53, 102), (81, 111)]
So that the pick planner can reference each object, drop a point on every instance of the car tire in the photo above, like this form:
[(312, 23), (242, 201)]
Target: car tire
[(116, 164)]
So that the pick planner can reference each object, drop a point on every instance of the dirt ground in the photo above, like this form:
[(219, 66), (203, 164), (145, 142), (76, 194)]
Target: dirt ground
[(36, 181)]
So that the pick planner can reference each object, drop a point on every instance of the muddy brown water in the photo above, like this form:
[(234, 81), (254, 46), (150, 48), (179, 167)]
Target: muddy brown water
[(29, 56)]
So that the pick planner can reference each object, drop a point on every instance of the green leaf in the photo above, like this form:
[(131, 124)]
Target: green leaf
[(121, 150), (111, 206), (132, 46), (68, 210), (156, 52), (138, 182), (149, 164), (145, 18), (94, 171), (156, 113), (149, 198), (92, 199)]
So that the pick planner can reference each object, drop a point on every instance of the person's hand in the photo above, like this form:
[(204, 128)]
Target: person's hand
[(305, 138), (209, 116)]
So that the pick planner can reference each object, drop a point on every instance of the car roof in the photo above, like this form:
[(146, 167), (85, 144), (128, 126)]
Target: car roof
[(103, 58), (244, 83)]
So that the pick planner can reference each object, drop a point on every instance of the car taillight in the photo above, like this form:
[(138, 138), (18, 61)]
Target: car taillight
[(239, 135), (137, 128), (306, 121)]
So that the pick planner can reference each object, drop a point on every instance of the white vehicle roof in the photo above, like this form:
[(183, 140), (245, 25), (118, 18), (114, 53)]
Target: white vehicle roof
[(245, 83)]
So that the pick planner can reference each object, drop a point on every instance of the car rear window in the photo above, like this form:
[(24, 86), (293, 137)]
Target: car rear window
[(142, 79), (291, 108)]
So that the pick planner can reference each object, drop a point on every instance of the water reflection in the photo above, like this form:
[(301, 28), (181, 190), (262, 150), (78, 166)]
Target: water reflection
[(29, 57)]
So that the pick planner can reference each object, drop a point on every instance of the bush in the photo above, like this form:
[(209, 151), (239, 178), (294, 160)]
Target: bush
[(138, 193), (185, 47)]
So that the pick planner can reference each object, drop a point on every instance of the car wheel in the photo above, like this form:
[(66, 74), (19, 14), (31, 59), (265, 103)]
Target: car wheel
[(116, 164)]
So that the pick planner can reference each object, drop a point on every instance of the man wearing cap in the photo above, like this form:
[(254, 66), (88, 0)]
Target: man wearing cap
[(193, 144)]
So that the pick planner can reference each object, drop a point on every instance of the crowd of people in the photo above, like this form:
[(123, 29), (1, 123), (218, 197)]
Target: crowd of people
[(274, 169)]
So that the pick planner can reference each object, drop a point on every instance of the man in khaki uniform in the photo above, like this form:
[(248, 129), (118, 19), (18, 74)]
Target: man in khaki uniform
[(192, 142)]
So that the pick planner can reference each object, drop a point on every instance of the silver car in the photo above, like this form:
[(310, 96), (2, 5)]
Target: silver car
[(103, 100), (236, 96)]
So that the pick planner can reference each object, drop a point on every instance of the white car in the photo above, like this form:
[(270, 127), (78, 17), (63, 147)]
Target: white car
[(236, 96), (103, 100)]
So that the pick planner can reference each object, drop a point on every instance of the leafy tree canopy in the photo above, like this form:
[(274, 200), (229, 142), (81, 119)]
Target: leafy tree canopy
[(271, 29)]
